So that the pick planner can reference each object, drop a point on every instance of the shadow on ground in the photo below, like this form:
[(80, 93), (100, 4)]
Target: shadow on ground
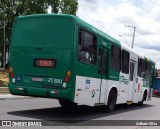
[(80, 114)]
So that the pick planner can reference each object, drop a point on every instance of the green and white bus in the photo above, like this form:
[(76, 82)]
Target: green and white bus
[(63, 57)]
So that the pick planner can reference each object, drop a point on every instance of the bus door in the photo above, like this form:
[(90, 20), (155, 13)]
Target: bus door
[(102, 71), (133, 78), (140, 79)]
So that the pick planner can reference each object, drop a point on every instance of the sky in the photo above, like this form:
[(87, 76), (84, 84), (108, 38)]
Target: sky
[(112, 17)]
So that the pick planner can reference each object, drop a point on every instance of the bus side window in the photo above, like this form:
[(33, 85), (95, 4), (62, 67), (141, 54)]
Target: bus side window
[(125, 62), (80, 35), (116, 58), (102, 61), (87, 47), (148, 70), (141, 68)]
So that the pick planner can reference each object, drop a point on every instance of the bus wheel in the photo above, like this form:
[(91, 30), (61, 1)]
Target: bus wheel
[(143, 99), (67, 104), (111, 101)]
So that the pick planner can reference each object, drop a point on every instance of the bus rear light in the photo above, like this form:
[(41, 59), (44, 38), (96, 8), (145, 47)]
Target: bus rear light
[(54, 92), (66, 79), (13, 80), (68, 74), (19, 89), (10, 69), (64, 85), (12, 75)]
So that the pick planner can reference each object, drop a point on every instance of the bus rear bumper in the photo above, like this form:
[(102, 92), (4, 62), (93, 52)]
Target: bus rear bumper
[(41, 92)]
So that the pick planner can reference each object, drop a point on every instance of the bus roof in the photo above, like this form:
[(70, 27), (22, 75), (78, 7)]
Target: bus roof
[(78, 21), (90, 28), (132, 51), (97, 31), (137, 53)]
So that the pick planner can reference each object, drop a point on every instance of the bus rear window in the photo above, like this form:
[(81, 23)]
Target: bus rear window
[(42, 31)]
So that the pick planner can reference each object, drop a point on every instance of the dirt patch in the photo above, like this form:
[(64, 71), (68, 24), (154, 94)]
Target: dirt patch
[(4, 90), (3, 78)]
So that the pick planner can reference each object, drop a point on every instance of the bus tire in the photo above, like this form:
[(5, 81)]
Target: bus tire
[(67, 104), (111, 104), (143, 99)]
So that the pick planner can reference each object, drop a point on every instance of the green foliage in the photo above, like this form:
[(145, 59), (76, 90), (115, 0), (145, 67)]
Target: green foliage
[(10, 8), (69, 6)]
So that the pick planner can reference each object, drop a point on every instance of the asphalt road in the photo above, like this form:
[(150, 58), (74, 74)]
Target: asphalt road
[(49, 109)]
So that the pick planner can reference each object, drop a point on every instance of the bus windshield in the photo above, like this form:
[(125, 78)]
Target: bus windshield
[(47, 31)]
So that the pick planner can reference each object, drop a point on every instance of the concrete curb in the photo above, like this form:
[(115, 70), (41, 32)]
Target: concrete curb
[(9, 96)]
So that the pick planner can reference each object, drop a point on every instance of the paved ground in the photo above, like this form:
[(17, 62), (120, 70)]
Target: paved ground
[(9, 96), (49, 109)]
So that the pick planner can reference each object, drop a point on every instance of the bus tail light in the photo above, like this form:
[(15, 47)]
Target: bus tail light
[(68, 74), (19, 89), (66, 79), (10, 69), (11, 75), (54, 92)]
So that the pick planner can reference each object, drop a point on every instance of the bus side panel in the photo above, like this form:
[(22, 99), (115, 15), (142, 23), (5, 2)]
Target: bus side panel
[(87, 83), (87, 90)]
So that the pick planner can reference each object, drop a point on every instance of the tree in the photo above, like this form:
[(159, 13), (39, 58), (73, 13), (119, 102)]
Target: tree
[(64, 6), (9, 9)]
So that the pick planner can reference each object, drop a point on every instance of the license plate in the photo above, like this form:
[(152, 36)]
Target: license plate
[(37, 79), (44, 63)]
